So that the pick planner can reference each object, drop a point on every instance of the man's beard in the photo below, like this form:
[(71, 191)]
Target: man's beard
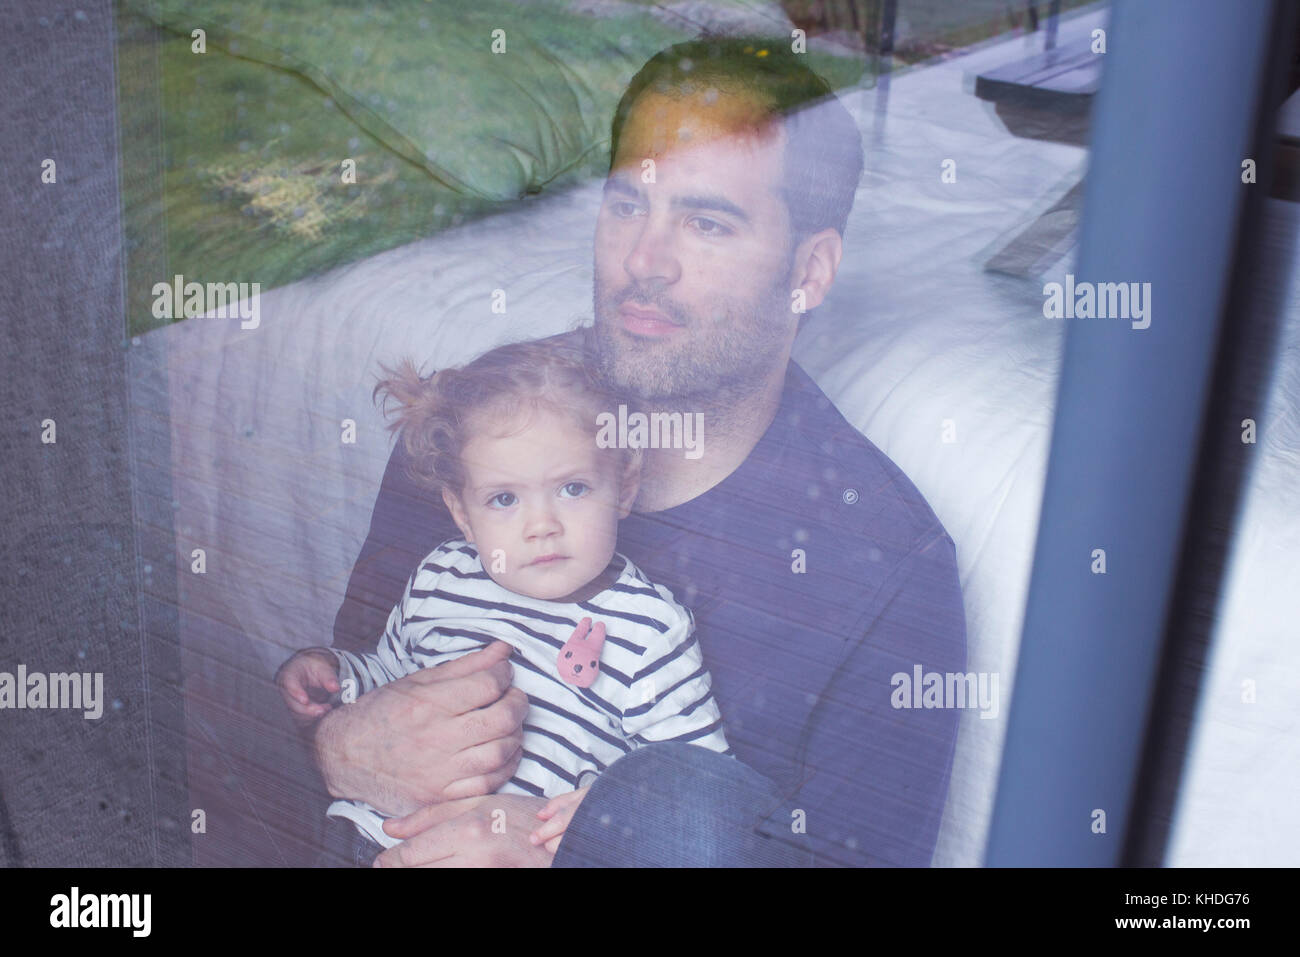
[(733, 359)]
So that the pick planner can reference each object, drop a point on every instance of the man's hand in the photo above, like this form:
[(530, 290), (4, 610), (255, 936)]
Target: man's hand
[(306, 681), (489, 831), (444, 733)]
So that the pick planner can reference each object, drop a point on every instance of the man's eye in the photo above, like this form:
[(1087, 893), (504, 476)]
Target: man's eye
[(502, 500), (623, 209), (574, 490), (709, 227)]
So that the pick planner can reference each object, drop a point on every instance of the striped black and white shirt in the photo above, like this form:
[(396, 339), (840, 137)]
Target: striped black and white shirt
[(652, 684)]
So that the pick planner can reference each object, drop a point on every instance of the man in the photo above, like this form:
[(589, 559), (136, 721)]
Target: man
[(814, 569)]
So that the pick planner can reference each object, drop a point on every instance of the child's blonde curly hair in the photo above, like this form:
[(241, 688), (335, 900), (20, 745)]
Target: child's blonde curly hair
[(437, 416)]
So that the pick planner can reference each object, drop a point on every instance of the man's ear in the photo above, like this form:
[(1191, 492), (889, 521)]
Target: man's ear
[(631, 483), (816, 260), (453, 503)]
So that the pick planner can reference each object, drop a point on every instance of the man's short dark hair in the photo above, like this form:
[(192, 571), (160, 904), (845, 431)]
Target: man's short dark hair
[(823, 153)]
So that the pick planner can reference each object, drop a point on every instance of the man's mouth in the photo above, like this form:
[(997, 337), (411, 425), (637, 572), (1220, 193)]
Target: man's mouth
[(642, 321)]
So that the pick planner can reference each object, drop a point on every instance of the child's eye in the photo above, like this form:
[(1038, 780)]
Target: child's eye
[(502, 500), (573, 490)]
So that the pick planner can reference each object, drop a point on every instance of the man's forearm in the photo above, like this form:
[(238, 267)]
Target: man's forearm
[(342, 773)]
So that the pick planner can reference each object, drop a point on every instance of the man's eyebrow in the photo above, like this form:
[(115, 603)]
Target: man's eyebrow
[(710, 202), (618, 184), (717, 204)]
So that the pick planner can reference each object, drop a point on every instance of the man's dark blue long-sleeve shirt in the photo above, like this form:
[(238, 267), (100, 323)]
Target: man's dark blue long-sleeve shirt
[(816, 572)]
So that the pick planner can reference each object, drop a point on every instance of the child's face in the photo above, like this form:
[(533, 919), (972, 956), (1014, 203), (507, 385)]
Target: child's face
[(542, 505)]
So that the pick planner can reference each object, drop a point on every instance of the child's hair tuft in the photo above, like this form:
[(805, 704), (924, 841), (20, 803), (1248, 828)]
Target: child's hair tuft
[(433, 415)]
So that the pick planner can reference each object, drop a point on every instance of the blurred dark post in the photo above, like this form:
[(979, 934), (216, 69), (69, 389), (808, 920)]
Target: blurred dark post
[(880, 45), (888, 18), (1254, 312), (1164, 205), (1053, 16), (90, 558)]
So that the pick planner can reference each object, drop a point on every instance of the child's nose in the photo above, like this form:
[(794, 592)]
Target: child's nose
[(542, 522)]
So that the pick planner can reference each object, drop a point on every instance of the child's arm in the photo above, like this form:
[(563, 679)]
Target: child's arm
[(392, 659), (314, 680), (670, 698)]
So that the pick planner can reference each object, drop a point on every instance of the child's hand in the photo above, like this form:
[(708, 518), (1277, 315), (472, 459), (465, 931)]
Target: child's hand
[(557, 814), (312, 673)]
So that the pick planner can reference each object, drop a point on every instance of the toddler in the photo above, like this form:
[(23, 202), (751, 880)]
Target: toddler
[(608, 659)]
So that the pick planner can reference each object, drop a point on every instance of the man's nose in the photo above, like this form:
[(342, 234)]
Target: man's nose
[(654, 257)]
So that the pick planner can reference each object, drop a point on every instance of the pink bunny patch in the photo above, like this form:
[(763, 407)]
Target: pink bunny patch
[(579, 660)]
